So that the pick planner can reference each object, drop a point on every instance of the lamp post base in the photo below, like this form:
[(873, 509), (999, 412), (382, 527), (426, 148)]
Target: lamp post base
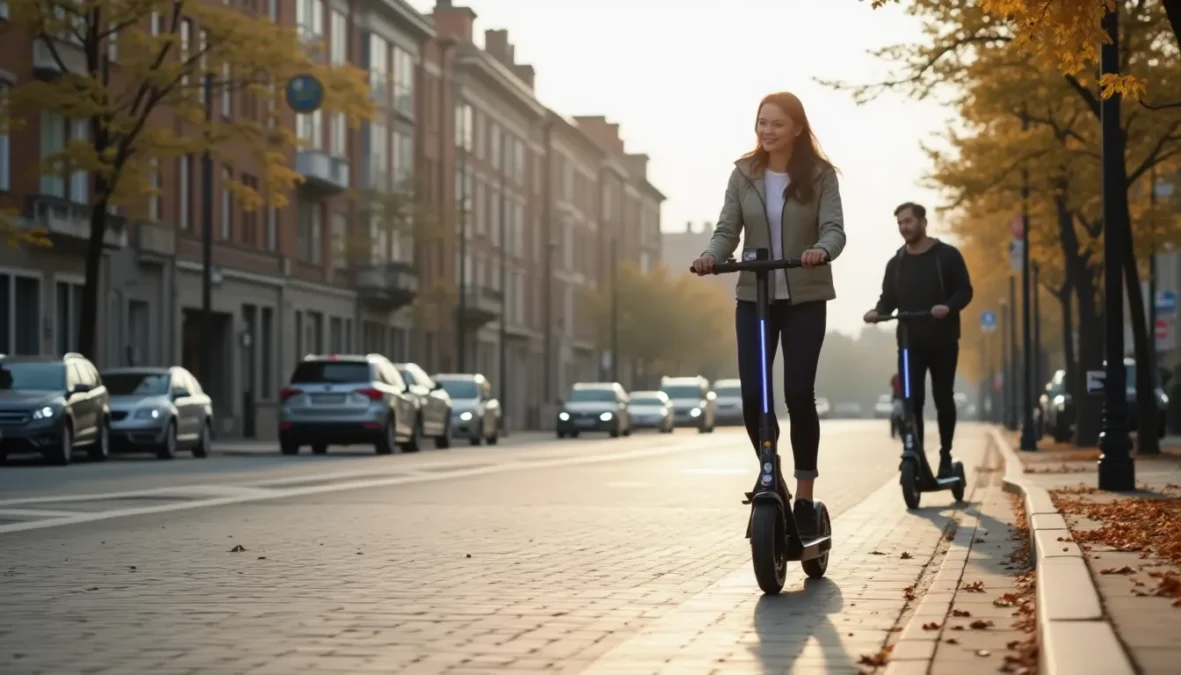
[(1117, 471), (1028, 442)]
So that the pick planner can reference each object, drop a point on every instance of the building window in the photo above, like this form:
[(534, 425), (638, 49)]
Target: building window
[(272, 228), (137, 333), (378, 156), (268, 349), (311, 232), (494, 145), (339, 37), (403, 82), (55, 130), (154, 194), (309, 19), (68, 317), (300, 346), (339, 252), (480, 133), (186, 39), (227, 90), (519, 161), (339, 137), (20, 315), (481, 206), (403, 156), (464, 129), (227, 203), (183, 189), (309, 129), (379, 70), (5, 171)]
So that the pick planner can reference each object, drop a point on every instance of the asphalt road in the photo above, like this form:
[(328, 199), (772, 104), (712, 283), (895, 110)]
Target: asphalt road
[(533, 556)]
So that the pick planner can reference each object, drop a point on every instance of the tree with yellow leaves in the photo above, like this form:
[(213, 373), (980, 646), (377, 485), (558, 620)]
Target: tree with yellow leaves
[(118, 68), (998, 80)]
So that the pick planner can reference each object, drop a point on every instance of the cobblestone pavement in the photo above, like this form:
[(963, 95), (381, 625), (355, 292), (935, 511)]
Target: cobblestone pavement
[(530, 570)]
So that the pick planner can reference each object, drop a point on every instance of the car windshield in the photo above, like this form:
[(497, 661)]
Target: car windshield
[(682, 391), (729, 391), (460, 388), (136, 384), (331, 372), (646, 400), (584, 395), (33, 376)]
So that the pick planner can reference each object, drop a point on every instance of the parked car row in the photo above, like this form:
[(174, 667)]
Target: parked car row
[(53, 406), (1055, 411), (680, 402), (366, 399)]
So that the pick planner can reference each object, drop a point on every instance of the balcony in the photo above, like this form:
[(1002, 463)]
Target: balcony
[(482, 305), (45, 65), (389, 285), (155, 238), (68, 223), (322, 171)]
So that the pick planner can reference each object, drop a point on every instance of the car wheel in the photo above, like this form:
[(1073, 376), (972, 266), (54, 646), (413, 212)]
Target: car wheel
[(288, 448), (168, 450), (320, 449), (100, 450), (443, 441), (414, 443), (477, 437), (205, 442), (561, 434), (495, 437), (63, 453), (388, 443)]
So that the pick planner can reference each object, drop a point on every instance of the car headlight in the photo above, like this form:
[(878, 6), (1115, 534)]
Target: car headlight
[(147, 414), (696, 412), (1059, 399), (1164, 398), (466, 416), (45, 413), (606, 417), (563, 416)]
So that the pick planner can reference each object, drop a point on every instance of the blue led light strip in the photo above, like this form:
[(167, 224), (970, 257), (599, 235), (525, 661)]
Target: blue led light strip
[(763, 362), (906, 373)]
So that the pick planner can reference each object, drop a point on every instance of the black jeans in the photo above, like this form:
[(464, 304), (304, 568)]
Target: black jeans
[(940, 359), (801, 328)]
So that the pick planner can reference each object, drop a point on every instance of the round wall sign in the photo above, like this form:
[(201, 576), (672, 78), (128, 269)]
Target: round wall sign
[(304, 94)]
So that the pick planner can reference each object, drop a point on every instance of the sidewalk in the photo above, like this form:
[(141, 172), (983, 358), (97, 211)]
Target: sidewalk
[(1111, 601)]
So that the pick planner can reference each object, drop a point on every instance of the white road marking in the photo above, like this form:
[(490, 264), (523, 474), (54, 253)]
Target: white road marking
[(263, 495), (35, 513), (628, 484)]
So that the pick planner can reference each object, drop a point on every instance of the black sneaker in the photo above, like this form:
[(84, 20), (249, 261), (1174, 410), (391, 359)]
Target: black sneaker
[(805, 516), (946, 467)]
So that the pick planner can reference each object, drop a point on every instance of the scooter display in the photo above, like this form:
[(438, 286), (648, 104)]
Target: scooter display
[(771, 529), (916, 476)]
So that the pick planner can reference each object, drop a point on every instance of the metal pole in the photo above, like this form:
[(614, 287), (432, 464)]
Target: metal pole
[(1002, 414), (614, 312), (1038, 377), (502, 367), (461, 311), (207, 337), (548, 267), (1116, 470), (1152, 314), (1014, 363), (1028, 440)]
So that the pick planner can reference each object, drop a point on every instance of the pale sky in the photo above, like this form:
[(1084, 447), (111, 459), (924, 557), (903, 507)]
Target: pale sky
[(683, 79)]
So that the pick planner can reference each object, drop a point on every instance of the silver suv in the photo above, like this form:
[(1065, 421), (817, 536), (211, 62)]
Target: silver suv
[(347, 400)]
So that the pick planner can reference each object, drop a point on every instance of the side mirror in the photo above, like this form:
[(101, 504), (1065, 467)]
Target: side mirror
[(178, 394), (81, 388)]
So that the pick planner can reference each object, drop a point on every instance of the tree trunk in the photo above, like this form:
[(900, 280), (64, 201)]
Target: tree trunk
[(1066, 302), (88, 323), (1173, 10), (1081, 278), (1147, 441)]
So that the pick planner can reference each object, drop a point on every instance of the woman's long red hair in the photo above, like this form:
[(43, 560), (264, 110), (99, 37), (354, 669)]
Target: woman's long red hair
[(806, 156)]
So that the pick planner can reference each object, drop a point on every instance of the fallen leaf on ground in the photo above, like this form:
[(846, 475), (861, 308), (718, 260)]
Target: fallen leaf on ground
[(978, 540), (982, 652), (974, 587), (906, 555), (981, 624), (957, 627), (932, 625), (1122, 570), (876, 553), (908, 592), (960, 612), (878, 659), (238, 549), (952, 641)]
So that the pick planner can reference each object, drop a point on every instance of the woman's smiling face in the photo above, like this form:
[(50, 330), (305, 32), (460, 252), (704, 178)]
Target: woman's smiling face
[(777, 132)]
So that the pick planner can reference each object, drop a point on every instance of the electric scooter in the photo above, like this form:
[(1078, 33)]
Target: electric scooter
[(771, 529), (916, 476)]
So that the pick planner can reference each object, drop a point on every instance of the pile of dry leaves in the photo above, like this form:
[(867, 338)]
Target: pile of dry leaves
[(1022, 658)]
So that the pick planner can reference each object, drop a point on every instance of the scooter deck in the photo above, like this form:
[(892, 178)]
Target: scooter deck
[(812, 549)]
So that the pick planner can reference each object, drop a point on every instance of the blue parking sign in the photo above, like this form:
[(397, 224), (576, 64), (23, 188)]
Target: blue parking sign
[(988, 321)]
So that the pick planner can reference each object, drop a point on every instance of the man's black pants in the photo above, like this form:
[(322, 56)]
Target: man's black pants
[(940, 359)]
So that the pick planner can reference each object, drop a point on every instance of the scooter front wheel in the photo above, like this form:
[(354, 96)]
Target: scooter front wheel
[(768, 547), (816, 567), (910, 483)]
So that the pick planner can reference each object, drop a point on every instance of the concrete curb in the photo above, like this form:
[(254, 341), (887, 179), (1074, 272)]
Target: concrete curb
[(1074, 635)]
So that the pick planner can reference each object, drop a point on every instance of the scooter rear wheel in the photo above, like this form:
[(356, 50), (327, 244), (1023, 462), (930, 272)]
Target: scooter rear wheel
[(768, 547), (816, 567), (957, 490), (909, 480)]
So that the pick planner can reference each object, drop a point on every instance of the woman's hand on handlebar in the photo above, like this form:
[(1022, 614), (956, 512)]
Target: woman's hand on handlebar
[(871, 316), (703, 265), (814, 257)]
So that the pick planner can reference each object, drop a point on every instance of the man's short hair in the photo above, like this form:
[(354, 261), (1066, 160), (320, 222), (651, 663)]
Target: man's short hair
[(918, 210)]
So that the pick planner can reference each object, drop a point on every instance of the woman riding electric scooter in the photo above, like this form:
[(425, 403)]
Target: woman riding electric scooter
[(783, 196)]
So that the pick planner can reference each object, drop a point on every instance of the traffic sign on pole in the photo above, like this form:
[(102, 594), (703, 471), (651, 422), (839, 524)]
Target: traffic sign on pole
[(1166, 302), (1161, 330), (1017, 226), (1016, 254), (987, 321)]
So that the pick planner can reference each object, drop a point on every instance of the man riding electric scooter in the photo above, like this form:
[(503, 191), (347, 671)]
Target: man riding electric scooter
[(928, 275)]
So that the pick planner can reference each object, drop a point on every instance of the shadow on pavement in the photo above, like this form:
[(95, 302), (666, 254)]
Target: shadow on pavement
[(784, 624)]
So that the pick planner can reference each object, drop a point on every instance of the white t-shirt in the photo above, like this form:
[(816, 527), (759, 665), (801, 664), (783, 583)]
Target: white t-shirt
[(776, 184)]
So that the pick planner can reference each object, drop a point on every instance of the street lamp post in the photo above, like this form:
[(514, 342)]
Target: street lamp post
[(207, 338), (1038, 378), (1002, 413), (1116, 470), (1151, 448), (1028, 441), (1014, 363)]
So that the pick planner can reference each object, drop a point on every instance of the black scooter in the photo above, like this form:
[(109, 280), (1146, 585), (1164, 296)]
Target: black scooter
[(916, 475), (774, 539)]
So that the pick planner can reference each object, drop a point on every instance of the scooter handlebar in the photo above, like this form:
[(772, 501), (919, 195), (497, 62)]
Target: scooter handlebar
[(755, 265), (902, 316)]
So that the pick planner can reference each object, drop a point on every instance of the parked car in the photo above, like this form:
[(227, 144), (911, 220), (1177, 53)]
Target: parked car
[(594, 406), (823, 407), (51, 406), (1057, 413), (159, 410), (728, 403), (884, 407), (847, 410), (432, 401), (694, 405), (347, 400), (650, 410), (475, 412)]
